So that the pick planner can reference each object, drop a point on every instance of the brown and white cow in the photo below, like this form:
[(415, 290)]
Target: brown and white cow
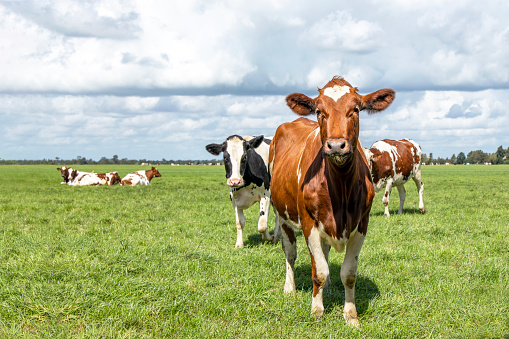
[(79, 178), (140, 177), (393, 163), (321, 184)]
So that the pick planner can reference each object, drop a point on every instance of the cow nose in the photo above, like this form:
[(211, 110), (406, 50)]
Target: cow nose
[(338, 147), (234, 182)]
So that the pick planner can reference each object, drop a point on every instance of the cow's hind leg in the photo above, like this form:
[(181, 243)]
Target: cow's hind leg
[(402, 194), (349, 276), (420, 188), (264, 216), (387, 194), (289, 245), (320, 270), (240, 222)]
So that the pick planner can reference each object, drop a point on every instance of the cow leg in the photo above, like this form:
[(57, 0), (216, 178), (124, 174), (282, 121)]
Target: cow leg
[(420, 188), (385, 199), (326, 250), (349, 275), (289, 245), (277, 228), (240, 222), (262, 219), (402, 195), (320, 270)]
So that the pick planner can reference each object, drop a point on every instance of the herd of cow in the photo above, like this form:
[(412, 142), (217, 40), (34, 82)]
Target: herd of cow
[(320, 180), (316, 175), (79, 178)]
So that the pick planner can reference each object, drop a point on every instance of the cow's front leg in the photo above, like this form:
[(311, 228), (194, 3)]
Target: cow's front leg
[(240, 222), (320, 270), (402, 195), (289, 245), (387, 194), (420, 188), (349, 276), (264, 216)]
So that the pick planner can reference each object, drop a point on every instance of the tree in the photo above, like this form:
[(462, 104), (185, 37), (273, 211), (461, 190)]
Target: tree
[(115, 159), (500, 154), (461, 158), (454, 161)]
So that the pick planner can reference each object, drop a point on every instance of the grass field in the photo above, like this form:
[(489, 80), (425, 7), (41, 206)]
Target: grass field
[(159, 261)]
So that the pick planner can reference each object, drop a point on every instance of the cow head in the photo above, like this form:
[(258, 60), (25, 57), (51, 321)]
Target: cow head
[(114, 178), (155, 172), (67, 173), (235, 150), (337, 109)]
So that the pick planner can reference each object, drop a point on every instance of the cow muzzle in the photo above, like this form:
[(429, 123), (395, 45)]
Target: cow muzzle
[(338, 150), (234, 182)]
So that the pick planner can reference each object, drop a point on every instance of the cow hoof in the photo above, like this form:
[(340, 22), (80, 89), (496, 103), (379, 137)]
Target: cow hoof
[(265, 238), (423, 210), (317, 312), (239, 245)]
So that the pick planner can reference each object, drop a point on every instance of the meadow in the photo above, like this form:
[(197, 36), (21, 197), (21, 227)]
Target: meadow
[(159, 261)]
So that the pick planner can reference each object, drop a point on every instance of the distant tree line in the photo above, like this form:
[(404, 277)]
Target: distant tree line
[(501, 156), (79, 160)]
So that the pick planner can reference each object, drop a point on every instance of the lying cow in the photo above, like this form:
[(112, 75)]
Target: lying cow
[(140, 177), (393, 163), (79, 178), (247, 175), (321, 184)]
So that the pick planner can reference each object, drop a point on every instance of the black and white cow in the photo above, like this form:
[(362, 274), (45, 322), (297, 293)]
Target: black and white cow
[(247, 175)]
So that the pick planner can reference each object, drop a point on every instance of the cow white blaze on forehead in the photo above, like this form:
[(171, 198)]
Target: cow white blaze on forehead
[(336, 92), (235, 148)]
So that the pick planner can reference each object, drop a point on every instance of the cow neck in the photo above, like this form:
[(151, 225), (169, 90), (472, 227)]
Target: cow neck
[(342, 173), (149, 174)]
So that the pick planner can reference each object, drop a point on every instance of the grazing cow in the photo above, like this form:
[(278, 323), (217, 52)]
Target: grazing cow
[(140, 177), (393, 163), (247, 175), (79, 178), (321, 184)]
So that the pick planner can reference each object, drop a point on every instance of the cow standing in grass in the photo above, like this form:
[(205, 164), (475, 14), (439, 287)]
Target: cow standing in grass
[(247, 176), (142, 177), (393, 163), (321, 184)]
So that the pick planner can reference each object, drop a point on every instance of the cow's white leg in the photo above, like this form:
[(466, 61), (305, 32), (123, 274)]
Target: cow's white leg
[(349, 275), (320, 269), (240, 222), (263, 218), (402, 195), (385, 199), (420, 188), (289, 245)]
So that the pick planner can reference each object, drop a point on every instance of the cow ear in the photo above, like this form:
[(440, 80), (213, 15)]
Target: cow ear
[(378, 101), (255, 142), (300, 104), (214, 149), (58, 169)]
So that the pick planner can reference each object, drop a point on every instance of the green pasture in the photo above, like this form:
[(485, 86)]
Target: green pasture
[(159, 261)]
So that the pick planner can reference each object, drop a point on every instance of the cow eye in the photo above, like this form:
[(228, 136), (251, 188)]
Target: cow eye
[(356, 109)]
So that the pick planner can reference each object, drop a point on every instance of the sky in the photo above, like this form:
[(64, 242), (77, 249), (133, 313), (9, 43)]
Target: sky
[(159, 79)]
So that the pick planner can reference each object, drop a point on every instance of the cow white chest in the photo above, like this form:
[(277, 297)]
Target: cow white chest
[(245, 197)]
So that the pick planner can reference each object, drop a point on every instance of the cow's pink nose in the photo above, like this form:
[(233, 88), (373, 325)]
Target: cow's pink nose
[(234, 182)]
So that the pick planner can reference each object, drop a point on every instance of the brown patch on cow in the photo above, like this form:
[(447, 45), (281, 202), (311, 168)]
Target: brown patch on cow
[(127, 182)]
